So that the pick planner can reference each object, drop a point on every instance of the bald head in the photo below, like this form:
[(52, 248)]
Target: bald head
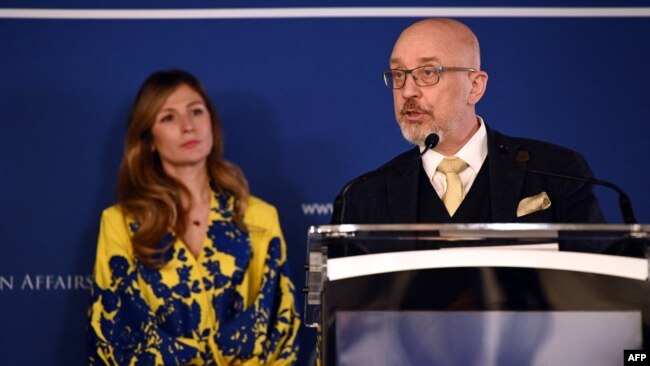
[(451, 42)]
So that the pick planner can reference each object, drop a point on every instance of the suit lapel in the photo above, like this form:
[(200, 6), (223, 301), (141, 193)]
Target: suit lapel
[(402, 189), (506, 181)]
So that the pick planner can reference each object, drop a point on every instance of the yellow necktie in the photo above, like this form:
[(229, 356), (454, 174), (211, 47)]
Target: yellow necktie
[(451, 166)]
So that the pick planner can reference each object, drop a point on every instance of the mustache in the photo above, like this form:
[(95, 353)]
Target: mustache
[(411, 105)]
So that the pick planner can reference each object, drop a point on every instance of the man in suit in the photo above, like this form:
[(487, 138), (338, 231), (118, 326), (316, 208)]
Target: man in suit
[(436, 77)]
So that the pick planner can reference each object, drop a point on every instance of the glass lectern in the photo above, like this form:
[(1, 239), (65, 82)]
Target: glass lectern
[(478, 294)]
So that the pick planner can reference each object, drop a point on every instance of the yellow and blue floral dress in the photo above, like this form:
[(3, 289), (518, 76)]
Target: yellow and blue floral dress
[(234, 304)]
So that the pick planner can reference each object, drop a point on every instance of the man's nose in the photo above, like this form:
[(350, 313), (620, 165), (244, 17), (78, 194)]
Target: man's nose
[(410, 89)]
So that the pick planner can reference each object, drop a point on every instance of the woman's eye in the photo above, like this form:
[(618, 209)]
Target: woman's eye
[(167, 118), (198, 111)]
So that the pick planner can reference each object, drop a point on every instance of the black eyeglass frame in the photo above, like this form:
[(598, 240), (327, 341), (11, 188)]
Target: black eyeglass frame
[(439, 69)]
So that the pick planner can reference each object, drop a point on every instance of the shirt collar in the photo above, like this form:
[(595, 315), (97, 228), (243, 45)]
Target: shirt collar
[(473, 152)]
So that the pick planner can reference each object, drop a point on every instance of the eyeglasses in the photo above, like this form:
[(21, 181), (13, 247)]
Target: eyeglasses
[(422, 76)]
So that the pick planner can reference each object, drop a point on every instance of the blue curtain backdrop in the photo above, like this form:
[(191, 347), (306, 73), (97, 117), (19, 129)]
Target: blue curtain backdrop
[(304, 111)]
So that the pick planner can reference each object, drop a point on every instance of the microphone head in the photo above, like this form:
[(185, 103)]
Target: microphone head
[(431, 141)]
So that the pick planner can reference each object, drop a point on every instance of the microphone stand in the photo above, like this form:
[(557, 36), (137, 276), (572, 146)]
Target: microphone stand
[(430, 142)]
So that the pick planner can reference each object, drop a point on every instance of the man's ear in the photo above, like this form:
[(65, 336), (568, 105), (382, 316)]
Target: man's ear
[(479, 81)]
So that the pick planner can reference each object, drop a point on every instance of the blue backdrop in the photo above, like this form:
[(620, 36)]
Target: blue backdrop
[(304, 111)]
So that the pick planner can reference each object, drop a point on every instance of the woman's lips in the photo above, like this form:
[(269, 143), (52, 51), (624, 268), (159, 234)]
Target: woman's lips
[(190, 144)]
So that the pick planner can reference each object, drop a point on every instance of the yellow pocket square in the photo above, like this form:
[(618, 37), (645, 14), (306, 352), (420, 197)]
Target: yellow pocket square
[(532, 204)]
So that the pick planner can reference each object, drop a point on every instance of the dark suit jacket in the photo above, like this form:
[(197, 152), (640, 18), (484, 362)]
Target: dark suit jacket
[(390, 194)]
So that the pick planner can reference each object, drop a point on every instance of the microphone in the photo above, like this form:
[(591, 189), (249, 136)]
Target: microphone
[(430, 142), (625, 205)]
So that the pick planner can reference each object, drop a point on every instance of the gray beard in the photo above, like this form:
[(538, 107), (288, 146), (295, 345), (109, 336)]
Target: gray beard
[(413, 138), (417, 135)]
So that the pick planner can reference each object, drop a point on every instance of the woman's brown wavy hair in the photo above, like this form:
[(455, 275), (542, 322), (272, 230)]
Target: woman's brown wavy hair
[(145, 192)]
